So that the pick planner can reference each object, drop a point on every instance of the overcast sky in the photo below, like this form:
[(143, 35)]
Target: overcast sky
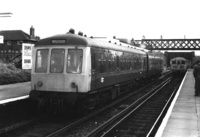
[(120, 18)]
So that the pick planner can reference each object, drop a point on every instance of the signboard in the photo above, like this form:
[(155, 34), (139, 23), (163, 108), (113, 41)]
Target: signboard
[(27, 55), (1, 39)]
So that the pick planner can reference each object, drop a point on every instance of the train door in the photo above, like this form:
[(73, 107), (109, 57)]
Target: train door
[(173, 64), (117, 70), (93, 70), (178, 64), (145, 65)]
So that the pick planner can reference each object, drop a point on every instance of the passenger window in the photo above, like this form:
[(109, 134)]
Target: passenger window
[(93, 61), (132, 62), (183, 62), (102, 63), (144, 63), (41, 61), (137, 62), (117, 61), (122, 62), (126, 62), (57, 60), (111, 62), (173, 62), (74, 60), (129, 63)]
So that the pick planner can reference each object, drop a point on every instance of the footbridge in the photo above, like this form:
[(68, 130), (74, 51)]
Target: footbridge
[(180, 47), (170, 44)]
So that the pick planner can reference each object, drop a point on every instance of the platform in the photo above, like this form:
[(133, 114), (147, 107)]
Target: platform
[(183, 116), (14, 92)]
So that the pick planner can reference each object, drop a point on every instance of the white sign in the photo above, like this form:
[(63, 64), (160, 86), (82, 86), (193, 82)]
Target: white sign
[(102, 79), (27, 55), (1, 39)]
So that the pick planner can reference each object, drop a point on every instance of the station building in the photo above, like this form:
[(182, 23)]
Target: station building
[(12, 42)]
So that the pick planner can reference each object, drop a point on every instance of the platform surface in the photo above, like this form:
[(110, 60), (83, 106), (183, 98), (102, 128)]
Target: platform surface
[(183, 117), (13, 92)]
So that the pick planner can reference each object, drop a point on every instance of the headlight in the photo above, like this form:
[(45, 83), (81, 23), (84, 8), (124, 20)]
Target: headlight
[(39, 84), (73, 85)]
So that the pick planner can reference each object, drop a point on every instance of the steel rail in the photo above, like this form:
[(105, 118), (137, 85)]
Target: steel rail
[(163, 111), (68, 127), (134, 105), (75, 123)]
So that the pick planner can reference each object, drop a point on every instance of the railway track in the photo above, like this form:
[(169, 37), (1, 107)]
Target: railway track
[(67, 127), (95, 124), (142, 119)]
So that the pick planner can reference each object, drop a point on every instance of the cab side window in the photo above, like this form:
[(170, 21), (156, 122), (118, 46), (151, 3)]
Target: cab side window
[(74, 60)]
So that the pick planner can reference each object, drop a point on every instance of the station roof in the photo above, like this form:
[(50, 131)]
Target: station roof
[(14, 35)]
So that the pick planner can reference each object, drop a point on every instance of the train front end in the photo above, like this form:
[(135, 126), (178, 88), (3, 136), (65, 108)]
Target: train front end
[(59, 72), (179, 65)]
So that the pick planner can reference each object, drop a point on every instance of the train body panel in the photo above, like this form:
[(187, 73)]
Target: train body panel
[(110, 67), (61, 83), (66, 80), (102, 76), (155, 63), (75, 67)]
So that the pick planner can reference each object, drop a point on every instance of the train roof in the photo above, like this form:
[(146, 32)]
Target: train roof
[(178, 58), (76, 40)]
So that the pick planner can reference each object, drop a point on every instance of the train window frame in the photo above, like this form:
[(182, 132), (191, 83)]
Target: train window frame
[(173, 62), (145, 63), (117, 62), (122, 63), (130, 63), (125, 62), (44, 67), (93, 61), (137, 62), (111, 60), (56, 63), (102, 63), (75, 69), (183, 62)]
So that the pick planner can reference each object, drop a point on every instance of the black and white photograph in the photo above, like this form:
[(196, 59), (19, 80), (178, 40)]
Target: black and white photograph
[(99, 68)]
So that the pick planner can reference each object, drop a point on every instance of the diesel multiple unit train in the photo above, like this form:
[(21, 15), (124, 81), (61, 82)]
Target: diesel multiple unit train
[(179, 64), (71, 68)]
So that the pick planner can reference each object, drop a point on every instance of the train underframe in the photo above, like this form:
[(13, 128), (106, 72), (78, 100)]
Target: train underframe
[(59, 101), (49, 101)]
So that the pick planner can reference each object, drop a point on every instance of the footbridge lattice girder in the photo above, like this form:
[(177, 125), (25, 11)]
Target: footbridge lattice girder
[(170, 44)]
